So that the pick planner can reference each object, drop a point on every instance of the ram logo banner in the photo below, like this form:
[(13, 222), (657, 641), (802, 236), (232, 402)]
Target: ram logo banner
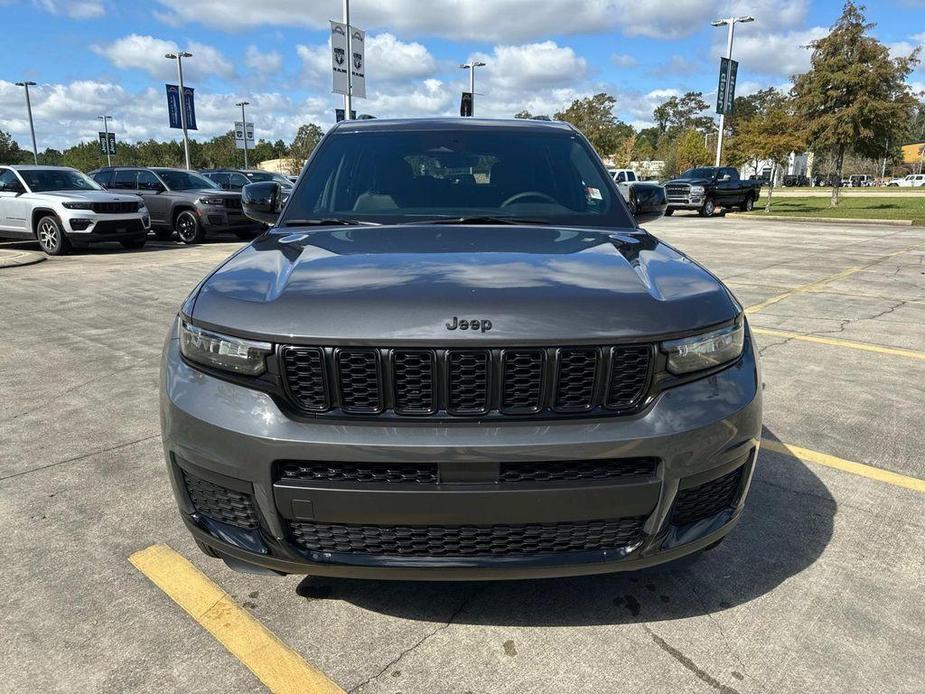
[(173, 107), (339, 59)]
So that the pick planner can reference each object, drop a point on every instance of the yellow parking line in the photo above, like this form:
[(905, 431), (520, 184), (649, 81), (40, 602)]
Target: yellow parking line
[(275, 664), (837, 342), (861, 469), (826, 280)]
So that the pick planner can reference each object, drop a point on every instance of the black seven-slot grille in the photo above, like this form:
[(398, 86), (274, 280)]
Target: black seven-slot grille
[(467, 540), (467, 382), (115, 207), (621, 469)]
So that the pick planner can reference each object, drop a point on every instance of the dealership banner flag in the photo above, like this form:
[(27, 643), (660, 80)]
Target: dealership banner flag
[(355, 62), (173, 107)]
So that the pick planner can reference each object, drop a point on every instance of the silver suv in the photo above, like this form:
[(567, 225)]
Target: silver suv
[(62, 208), (181, 200)]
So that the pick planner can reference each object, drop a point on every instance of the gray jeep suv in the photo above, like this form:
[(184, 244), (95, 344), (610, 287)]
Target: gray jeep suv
[(457, 356), (181, 200)]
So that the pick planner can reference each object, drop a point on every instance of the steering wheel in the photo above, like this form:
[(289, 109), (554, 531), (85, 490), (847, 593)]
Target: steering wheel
[(529, 194)]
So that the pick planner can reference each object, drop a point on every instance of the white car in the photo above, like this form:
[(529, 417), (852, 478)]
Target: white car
[(910, 181), (624, 178), (62, 208)]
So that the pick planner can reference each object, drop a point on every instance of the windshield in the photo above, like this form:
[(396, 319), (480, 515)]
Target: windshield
[(184, 180), (257, 176), (702, 172), (43, 180), (404, 176)]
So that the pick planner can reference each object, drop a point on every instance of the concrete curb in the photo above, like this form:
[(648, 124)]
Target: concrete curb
[(20, 258), (821, 220)]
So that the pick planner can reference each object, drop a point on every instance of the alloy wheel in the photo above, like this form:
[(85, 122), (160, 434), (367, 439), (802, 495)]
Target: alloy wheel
[(49, 236)]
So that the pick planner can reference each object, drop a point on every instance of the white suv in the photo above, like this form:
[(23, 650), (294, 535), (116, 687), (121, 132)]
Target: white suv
[(61, 207), (910, 181)]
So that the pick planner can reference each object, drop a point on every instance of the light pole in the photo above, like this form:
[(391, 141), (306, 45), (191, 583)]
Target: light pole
[(106, 120), (242, 104), (470, 66), (35, 149), (731, 23), (179, 56), (348, 97)]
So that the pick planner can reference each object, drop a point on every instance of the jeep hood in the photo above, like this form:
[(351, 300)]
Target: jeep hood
[(404, 283)]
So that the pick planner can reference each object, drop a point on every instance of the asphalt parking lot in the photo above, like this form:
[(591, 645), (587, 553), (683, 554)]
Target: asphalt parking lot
[(818, 589)]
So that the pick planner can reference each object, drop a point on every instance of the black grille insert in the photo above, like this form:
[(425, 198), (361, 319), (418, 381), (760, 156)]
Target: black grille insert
[(468, 374), (467, 540), (305, 377), (115, 207), (220, 503), (706, 499), (413, 382), (555, 471), (360, 377), (522, 380), (629, 376), (577, 372), (389, 473)]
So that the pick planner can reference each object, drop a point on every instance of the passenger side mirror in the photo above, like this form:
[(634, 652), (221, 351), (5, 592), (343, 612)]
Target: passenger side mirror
[(725, 177), (262, 201), (647, 202)]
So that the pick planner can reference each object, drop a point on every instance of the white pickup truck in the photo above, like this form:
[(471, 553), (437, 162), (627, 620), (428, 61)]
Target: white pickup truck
[(61, 207), (626, 179)]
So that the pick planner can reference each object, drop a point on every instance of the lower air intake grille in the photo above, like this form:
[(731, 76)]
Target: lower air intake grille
[(707, 499), (219, 503), (391, 473), (467, 540), (623, 468)]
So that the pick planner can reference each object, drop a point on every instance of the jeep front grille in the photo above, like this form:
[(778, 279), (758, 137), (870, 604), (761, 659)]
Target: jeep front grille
[(529, 381)]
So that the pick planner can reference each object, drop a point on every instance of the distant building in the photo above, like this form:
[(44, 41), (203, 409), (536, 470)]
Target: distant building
[(914, 154), (287, 166)]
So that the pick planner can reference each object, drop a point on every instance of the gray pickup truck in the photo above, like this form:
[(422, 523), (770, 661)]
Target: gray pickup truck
[(708, 189), (456, 355)]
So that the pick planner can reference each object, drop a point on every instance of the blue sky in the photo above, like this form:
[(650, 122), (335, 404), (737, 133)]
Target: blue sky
[(91, 56)]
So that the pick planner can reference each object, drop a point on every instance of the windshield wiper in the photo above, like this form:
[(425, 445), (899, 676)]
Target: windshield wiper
[(327, 222), (481, 219)]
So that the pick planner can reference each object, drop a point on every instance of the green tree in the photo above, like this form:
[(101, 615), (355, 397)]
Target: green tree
[(690, 150), (10, 153), (854, 98), (306, 139), (680, 113), (526, 115), (594, 117)]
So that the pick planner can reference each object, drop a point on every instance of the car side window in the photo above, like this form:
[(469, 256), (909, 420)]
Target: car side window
[(731, 172), (9, 183), (124, 179), (102, 177), (148, 181), (630, 175), (238, 181), (621, 177)]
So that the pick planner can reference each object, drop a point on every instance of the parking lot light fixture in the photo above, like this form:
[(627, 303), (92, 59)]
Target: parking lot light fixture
[(470, 66), (35, 149), (242, 104), (179, 56), (731, 23)]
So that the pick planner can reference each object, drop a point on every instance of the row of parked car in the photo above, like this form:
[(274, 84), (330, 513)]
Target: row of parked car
[(63, 208)]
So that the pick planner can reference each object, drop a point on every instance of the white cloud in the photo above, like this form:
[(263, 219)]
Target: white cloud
[(262, 64), (76, 9), (499, 20), (623, 60), (529, 67), (768, 14), (391, 60), (147, 53), (771, 53)]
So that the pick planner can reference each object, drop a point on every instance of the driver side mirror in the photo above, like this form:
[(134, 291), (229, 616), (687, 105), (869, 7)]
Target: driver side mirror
[(262, 201), (649, 202), (725, 177)]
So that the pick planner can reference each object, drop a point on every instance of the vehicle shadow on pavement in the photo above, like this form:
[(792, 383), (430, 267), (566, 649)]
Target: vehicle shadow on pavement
[(786, 525)]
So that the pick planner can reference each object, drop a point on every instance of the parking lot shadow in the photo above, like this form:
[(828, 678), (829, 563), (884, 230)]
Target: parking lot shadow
[(786, 526)]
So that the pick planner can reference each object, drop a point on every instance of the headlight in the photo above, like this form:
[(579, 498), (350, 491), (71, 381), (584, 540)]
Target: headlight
[(212, 201), (223, 351), (697, 190), (78, 205), (705, 351)]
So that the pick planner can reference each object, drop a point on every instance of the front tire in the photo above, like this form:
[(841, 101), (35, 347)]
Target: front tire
[(188, 227), (708, 209), (51, 236)]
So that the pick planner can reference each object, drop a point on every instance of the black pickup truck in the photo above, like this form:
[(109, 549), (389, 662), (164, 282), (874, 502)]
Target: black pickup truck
[(708, 188)]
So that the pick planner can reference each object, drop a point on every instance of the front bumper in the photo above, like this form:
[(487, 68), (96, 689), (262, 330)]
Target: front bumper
[(687, 203), (217, 219), (84, 226), (233, 437)]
